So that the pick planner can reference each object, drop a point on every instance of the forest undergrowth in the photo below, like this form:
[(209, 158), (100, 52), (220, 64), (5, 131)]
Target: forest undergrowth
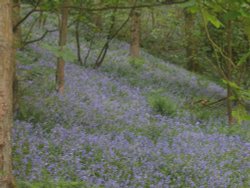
[(131, 123)]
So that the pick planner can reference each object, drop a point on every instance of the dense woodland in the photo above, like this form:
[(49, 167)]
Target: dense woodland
[(115, 93)]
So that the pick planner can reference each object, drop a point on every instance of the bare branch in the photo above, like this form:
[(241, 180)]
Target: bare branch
[(26, 16), (40, 38)]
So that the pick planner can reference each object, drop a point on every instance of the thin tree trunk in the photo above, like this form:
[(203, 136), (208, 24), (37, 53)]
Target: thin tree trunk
[(111, 35), (16, 17), (229, 73), (98, 21), (153, 18), (62, 42), (135, 34), (78, 44), (17, 44), (191, 51), (6, 94), (89, 50), (105, 47), (97, 18)]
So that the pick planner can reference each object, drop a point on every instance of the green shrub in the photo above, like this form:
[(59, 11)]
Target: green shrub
[(30, 113), (200, 113), (237, 129), (162, 105)]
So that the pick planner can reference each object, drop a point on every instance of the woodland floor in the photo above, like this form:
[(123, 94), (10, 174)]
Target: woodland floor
[(127, 124)]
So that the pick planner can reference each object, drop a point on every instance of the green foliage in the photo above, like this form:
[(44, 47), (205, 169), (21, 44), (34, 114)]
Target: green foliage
[(136, 63), (25, 60), (52, 6), (241, 114), (162, 104), (152, 131), (200, 110), (240, 95), (64, 52), (212, 19), (28, 113), (123, 71), (48, 184), (157, 33), (199, 113), (25, 111), (243, 59), (237, 129)]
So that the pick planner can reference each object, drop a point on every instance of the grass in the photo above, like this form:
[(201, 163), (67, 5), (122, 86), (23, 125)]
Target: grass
[(51, 184), (162, 105)]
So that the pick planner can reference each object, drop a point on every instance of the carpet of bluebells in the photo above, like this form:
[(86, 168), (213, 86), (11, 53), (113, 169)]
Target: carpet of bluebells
[(104, 132)]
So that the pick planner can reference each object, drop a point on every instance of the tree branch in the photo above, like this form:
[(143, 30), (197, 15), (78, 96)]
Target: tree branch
[(111, 36), (40, 38), (26, 16), (105, 8)]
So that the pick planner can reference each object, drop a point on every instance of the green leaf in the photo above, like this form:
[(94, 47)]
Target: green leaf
[(193, 9), (188, 4), (232, 15), (212, 19), (245, 94), (246, 22), (231, 84), (243, 59)]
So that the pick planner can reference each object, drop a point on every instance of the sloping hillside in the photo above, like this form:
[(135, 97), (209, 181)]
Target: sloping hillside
[(127, 124)]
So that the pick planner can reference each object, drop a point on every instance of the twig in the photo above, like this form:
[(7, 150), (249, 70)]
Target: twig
[(215, 46), (90, 48), (110, 37), (39, 38), (26, 16)]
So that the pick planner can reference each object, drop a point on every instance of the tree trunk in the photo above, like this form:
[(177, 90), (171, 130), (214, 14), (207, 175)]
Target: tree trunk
[(191, 50), (15, 20), (97, 17), (6, 94), (229, 73), (63, 21), (153, 18), (78, 44), (17, 44), (135, 34)]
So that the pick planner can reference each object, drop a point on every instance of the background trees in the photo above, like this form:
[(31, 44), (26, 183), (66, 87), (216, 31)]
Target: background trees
[(209, 38), (231, 58), (135, 33), (184, 33), (63, 27)]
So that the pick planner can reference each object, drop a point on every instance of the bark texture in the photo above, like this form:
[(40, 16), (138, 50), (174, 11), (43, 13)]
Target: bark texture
[(135, 34), (78, 43), (16, 17), (6, 94), (17, 43), (62, 42)]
